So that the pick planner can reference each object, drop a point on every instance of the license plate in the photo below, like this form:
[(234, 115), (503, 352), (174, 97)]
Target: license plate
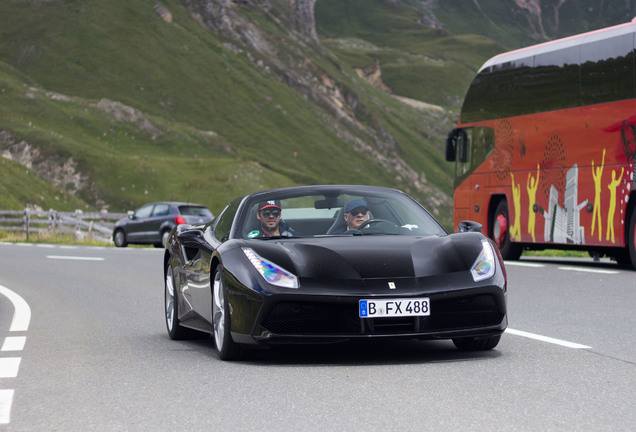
[(382, 308)]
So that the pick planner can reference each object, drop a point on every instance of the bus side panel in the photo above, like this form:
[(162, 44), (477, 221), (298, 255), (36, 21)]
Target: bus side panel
[(567, 175)]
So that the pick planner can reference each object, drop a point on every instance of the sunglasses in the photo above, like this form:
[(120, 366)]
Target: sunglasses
[(268, 213), (359, 210)]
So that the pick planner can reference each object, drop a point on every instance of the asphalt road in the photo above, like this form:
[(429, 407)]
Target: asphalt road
[(94, 354)]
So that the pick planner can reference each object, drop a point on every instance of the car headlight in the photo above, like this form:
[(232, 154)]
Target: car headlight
[(484, 265), (271, 272)]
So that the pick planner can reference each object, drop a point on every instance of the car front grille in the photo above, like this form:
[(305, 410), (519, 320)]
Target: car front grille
[(336, 319)]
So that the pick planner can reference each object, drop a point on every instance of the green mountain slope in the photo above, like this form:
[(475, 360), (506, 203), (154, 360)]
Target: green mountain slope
[(118, 103), (146, 109)]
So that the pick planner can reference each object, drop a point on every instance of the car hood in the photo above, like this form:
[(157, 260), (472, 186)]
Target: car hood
[(371, 257)]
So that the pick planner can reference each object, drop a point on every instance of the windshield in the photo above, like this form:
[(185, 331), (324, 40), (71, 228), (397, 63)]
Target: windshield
[(335, 213)]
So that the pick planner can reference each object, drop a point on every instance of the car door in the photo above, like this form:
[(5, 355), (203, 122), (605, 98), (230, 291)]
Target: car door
[(198, 266), (152, 226), (136, 226)]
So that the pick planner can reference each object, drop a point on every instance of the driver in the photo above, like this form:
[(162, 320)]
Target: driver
[(356, 212), (270, 222)]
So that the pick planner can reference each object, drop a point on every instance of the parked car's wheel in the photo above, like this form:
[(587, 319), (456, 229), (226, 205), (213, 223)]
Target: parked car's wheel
[(225, 346), (175, 330), (476, 344), (500, 232), (120, 238)]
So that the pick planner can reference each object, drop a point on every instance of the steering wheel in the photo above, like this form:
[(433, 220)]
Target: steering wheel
[(393, 228)]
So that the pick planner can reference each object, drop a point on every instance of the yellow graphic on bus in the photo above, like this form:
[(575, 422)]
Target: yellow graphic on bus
[(612, 207), (515, 228), (531, 184), (597, 173)]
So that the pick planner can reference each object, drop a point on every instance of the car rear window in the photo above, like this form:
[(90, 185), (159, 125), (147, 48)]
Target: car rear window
[(195, 211)]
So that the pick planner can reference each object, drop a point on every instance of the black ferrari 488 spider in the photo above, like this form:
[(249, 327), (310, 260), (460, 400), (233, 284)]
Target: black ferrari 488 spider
[(328, 264)]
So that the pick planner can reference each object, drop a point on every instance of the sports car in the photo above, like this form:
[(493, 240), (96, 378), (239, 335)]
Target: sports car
[(316, 264)]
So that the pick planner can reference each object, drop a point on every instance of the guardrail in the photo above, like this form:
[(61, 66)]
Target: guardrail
[(93, 225)]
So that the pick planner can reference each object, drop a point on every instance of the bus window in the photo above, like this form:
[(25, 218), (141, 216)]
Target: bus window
[(607, 70), (556, 80), (473, 146), (503, 90)]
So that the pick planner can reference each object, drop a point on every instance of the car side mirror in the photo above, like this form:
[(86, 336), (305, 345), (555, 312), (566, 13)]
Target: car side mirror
[(469, 226), (192, 238)]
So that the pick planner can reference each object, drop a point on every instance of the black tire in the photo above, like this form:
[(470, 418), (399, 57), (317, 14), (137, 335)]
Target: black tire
[(500, 232), (476, 344), (225, 345), (171, 304), (627, 257), (119, 238)]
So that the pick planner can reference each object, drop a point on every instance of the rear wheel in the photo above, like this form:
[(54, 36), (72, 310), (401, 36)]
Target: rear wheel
[(120, 238), (476, 344), (225, 346), (500, 232)]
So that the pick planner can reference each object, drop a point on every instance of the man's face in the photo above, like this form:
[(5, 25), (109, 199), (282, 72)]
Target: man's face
[(356, 217), (270, 218)]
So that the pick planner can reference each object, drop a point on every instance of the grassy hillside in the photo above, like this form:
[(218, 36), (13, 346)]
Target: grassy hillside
[(111, 104), (420, 62), (430, 50), (515, 27), (145, 109)]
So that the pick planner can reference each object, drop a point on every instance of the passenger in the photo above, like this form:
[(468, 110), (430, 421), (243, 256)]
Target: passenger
[(270, 222), (356, 212)]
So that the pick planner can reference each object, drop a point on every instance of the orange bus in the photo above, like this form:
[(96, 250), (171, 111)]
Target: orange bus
[(545, 146)]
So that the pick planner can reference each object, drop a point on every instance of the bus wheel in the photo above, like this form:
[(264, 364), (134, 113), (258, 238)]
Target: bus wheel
[(628, 256), (500, 232)]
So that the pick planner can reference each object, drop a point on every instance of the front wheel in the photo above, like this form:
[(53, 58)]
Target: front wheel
[(500, 232), (476, 344), (120, 238), (171, 302), (225, 345)]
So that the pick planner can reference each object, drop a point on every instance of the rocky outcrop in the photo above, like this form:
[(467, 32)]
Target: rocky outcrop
[(128, 114), (288, 60), (304, 15), (56, 170)]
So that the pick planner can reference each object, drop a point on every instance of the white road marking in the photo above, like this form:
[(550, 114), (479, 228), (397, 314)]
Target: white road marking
[(6, 399), (76, 258), (22, 314), (547, 339), (9, 367), (13, 343), (45, 245), (587, 270)]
